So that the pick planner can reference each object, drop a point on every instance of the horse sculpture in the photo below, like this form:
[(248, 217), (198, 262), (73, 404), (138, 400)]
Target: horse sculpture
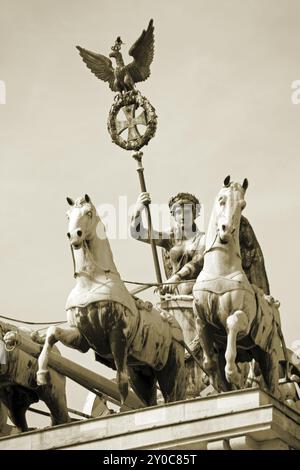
[(18, 387), (236, 321), (137, 340)]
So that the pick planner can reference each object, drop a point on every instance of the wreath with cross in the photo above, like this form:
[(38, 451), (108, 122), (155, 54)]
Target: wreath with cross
[(139, 121)]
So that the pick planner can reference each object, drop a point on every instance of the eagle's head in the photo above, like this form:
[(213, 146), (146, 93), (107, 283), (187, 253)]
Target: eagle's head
[(116, 48)]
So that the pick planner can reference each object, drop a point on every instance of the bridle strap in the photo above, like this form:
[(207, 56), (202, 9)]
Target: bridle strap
[(213, 243), (74, 262), (86, 248)]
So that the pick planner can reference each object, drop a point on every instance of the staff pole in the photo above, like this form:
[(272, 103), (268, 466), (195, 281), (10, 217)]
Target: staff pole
[(140, 169)]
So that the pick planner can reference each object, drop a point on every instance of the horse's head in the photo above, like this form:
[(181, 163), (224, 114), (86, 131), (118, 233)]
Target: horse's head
[(228, 206), (83, 220)]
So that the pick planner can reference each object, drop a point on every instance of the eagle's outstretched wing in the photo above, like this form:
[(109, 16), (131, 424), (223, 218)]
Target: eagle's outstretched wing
[(142, 51), (252, 257), (100, 65)]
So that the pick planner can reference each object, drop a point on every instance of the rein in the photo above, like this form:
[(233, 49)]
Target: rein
[(86, 249), (213, 244), (106, 271)]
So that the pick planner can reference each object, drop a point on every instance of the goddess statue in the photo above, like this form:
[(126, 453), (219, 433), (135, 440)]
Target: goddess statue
[(183, 244)]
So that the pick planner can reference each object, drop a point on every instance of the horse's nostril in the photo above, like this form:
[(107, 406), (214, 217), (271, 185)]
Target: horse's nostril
[(223, 228), (79, 233), (68, 235)]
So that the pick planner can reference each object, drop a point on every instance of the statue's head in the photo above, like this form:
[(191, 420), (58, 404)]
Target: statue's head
[(184, 208)]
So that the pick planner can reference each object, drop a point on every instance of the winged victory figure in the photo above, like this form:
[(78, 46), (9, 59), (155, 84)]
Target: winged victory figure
[(123, 77)]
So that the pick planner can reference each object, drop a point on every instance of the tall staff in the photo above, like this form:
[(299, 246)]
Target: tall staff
[(130, 110), (140, 169)]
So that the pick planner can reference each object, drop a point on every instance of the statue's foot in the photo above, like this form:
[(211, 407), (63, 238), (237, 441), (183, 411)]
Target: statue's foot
[(42, 377)]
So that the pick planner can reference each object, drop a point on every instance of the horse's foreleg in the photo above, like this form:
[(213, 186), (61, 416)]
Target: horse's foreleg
[(210, 359), (235, 323), (51, 339), (70, 336), (273, 369), (118, 344), (206, 342)]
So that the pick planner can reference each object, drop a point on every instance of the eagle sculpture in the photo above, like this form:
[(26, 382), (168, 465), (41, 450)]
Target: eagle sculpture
[(123, 77)]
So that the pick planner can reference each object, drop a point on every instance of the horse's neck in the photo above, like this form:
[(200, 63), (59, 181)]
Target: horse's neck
[(221, 259), (102, 254), (95, 258)]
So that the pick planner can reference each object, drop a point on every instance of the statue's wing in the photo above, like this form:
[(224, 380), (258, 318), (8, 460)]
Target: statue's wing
[(142, 51), (100, 65), (252, 257), (167, 263)]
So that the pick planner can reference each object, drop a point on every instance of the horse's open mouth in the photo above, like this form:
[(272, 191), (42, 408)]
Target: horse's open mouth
[(76, 246), (224, 239)]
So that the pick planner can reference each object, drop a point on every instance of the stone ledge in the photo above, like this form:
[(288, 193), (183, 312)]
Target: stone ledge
[(242, 419)]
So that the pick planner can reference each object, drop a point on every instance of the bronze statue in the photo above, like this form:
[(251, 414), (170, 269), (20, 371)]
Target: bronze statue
[(126, 334), (183, 245), (18, 387), (123, 77), (236, 321), (127, 129), (183, 249)]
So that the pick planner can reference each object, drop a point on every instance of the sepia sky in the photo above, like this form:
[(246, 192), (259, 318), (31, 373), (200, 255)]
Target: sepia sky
[(221, 85)]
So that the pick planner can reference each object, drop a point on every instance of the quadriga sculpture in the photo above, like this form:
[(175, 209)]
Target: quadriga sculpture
[(139, 342), (236, 321), (18, 387)]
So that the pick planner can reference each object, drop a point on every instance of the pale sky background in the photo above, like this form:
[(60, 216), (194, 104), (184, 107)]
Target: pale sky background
[(221, 84)]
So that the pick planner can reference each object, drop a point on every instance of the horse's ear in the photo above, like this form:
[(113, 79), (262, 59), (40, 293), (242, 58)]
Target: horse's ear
[(70, 201), (245, 184), (87, 198), (227, 181)]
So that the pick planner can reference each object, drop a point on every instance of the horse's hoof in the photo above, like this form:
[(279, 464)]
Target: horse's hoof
[(232, 375), (208, 365), (42, 377)]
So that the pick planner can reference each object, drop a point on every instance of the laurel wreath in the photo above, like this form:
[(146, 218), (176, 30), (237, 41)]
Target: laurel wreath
[(128, 99)]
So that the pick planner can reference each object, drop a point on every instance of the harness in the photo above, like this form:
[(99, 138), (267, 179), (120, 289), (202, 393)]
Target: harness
[(222, 284)]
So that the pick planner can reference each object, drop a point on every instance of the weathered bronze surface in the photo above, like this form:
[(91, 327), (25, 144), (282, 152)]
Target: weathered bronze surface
[(234, 316), (123, 77), (18, 386), (128, 104), (141, 127), (141, 343)]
